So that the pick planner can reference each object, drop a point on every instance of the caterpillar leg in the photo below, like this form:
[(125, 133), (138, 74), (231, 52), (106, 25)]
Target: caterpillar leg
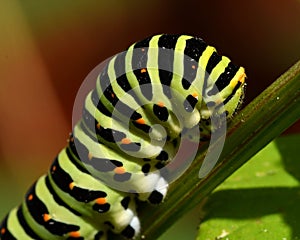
[(133, 229), (158, 193)]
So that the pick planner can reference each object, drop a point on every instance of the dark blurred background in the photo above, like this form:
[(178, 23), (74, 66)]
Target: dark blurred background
[(48, 47)]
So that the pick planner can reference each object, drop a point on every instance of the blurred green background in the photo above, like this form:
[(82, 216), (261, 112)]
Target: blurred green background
[(48, 47)]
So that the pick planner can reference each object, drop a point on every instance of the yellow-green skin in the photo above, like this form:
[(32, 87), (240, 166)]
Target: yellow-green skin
[(106, 172)]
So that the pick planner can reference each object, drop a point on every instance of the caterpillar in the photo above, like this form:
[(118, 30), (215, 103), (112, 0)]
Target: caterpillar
[(161, 91)]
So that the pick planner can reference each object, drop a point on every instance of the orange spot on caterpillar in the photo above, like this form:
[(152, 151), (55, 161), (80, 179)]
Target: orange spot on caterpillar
[(98, 126), (119, 170), (140, 121), (101, 200), (143, 70), (53, 169), (242, 78), (194, 67), (3, 230), (195, 95), (125, 141), (113, 95), (74, 234), (30, 197), (71, 185), (46, 217), (143, 49), (160, 104), (90, 156)]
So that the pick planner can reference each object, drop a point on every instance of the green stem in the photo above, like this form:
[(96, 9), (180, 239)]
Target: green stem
[(254, 127)]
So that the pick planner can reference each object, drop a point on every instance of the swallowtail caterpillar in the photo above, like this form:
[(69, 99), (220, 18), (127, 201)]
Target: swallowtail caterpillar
[(118, 152)]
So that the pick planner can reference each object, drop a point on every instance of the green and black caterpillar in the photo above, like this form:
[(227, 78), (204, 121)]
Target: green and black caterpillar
[(146, 100)]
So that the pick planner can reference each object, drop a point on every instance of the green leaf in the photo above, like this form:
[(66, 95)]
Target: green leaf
[(260, 200)]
